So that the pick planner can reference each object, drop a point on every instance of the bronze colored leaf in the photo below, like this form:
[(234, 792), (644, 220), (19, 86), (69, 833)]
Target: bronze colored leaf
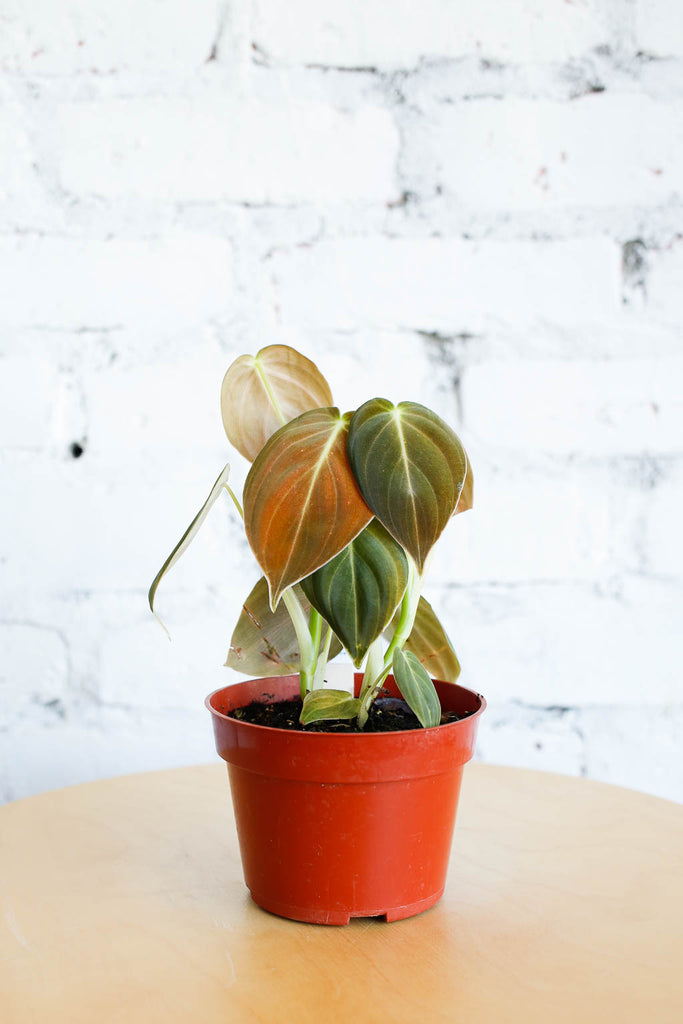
[(411, 469), (261, 392), (302, 505), (264, 642), (358, 591)]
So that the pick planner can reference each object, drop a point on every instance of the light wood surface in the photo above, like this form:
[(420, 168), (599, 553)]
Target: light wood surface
[(122, 901)]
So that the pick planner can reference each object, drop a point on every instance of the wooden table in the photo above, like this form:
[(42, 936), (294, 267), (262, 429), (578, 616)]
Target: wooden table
[(122, 901)]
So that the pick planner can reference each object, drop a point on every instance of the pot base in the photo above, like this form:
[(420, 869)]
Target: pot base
[(341, 917)]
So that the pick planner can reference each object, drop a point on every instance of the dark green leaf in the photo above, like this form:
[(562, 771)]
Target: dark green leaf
[(411, 469), (417, 689), (323, 705), (358, 591), (264, 643)]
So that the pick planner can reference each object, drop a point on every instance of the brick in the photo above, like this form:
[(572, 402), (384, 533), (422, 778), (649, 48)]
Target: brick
[(662, 523), (171, 406), (240, 151), (35, 758), (583, 407), (140, 669), (59, 282), (71, 37), (376, 34), (635, 747), (33, 671), (537, 738), (552, 530), (659, 28), (27, 400), (108, 524), (17, 156), (664, 295), (602, 150), (568, 645), (447, 285)]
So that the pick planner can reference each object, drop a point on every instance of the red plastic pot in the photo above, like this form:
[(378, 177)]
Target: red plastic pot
[(333, 826)]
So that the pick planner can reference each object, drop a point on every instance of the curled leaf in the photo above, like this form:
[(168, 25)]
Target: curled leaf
[(259, 393), (302, 505), (416, 688), (188, 536), (358, 591), (411, 469)]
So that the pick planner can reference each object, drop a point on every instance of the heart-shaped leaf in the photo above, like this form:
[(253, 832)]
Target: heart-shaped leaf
[(416, 688), (302, 505), (264, 642), (358, 591), (261, 392), (411, 469), (430, 644), (189, 535), (323, 705)]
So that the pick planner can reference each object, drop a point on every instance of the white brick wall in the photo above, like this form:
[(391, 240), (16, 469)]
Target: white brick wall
[(203, 151), (599, 150), (400, 34), (473, 205), (74, 36), (446, 285), (660, 28), (78, 282)]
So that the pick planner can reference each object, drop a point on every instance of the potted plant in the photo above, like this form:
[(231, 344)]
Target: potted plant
[(344, 801)]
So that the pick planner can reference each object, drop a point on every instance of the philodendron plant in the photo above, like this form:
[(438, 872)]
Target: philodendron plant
[(341, 512)]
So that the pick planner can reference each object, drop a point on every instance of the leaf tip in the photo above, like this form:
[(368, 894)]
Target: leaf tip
[(161, 624)]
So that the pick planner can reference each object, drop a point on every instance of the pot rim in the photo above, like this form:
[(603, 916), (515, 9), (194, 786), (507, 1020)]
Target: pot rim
[(340, 736)]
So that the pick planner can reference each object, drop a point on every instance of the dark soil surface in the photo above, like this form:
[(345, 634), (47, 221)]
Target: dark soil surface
[(387, 714)]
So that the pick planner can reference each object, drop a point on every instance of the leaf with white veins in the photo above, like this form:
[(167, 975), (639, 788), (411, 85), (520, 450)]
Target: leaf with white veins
[(302, 505), (259, 393), (326, 705), (416, 688), (358, 591), (411, 469)]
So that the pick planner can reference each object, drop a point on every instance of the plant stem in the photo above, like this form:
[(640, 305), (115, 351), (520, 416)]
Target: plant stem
[(372, 677), (235, 501), (315, 630), (404, 626), (319, 680), (307, 652), (406, 620)]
